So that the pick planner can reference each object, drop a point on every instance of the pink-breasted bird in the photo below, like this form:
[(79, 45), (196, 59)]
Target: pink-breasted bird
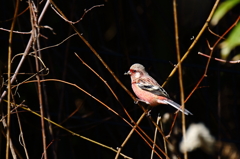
[(148, 90)]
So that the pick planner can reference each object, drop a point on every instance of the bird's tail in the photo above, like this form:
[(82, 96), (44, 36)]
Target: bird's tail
[(177, 106)]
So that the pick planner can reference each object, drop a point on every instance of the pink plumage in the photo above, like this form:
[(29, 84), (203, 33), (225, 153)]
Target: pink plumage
[(148, 90)]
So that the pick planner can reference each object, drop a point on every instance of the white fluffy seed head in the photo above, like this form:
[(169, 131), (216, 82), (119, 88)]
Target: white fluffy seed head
[(197, 136)]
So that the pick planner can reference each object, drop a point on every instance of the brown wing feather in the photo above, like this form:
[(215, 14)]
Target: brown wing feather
[(149, 84)]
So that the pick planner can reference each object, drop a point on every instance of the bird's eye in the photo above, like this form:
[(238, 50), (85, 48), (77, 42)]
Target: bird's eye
[(133, 71)]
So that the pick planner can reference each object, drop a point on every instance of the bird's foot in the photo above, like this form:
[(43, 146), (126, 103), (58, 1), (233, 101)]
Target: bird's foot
[(167, 136), (148, 114), (136, 101)]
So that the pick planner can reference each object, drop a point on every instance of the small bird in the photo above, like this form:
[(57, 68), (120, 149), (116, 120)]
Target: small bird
[(148, 90)]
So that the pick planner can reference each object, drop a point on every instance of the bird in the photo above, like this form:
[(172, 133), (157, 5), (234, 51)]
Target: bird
[(148, 90)]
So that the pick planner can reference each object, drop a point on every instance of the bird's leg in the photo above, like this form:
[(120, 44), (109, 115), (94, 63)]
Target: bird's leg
[(140, 100), (148, 113)]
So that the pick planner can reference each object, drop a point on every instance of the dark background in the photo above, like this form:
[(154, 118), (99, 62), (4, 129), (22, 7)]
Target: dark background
[(123, 32)]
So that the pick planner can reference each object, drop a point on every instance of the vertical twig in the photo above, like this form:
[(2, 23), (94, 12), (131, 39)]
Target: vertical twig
[(164, 141), (95, 52), (194, 42), (9, 78), (179, 71), (20, 129), (21, 135), (155, 136), (185, 55), (105, 65), (26, 50), (14, 156), (36, 32), (207, 64)]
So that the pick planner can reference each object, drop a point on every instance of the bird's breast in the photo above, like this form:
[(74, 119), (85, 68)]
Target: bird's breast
[(149, 97)]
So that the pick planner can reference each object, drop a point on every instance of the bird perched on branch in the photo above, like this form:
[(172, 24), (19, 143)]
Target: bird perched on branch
[(148, 90)]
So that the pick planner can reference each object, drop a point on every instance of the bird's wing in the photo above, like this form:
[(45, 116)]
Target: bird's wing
[(152, 86)]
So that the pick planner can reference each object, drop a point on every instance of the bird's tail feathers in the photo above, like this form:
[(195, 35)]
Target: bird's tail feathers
[(177, 106)]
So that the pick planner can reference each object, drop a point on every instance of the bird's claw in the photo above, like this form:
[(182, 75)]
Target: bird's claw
[(136, 101), (148, 114)]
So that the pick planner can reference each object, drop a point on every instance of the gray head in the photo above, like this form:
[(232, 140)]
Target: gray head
[(136, 71)]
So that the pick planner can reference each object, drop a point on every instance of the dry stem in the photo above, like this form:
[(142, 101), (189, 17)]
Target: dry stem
[(179, 72), (194, 42), (9, 78)]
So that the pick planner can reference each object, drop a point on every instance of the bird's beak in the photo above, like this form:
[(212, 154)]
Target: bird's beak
[(127, 73)]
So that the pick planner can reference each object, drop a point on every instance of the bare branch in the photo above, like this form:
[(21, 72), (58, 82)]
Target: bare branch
[(18, 32), (85, 12), (194, 42), (215, 33), (217, 59)]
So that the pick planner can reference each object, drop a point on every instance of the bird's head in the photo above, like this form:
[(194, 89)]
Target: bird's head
[(136, 71)]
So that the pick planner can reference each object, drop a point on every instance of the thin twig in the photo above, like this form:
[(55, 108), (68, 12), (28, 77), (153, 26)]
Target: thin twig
[(71, 132), (14, 156), (48, 47), (26, 50), (36, 31), (207, 65), (130, 134), (95, 53), (74, 112), (35, 55), (47, 146), (216, 43), (9, 78), (136, 124), (105, 65), (155, 138), (85, 12), (160, 131), (18, 32), (172, 125), (21, 137), (30, 78), (164, 141), (186, 54), (179, 72), (17, 15), (3, 117), (221, 60), (132, 121), (109, 108), (194, 42), (215, 33), (105, 82)]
